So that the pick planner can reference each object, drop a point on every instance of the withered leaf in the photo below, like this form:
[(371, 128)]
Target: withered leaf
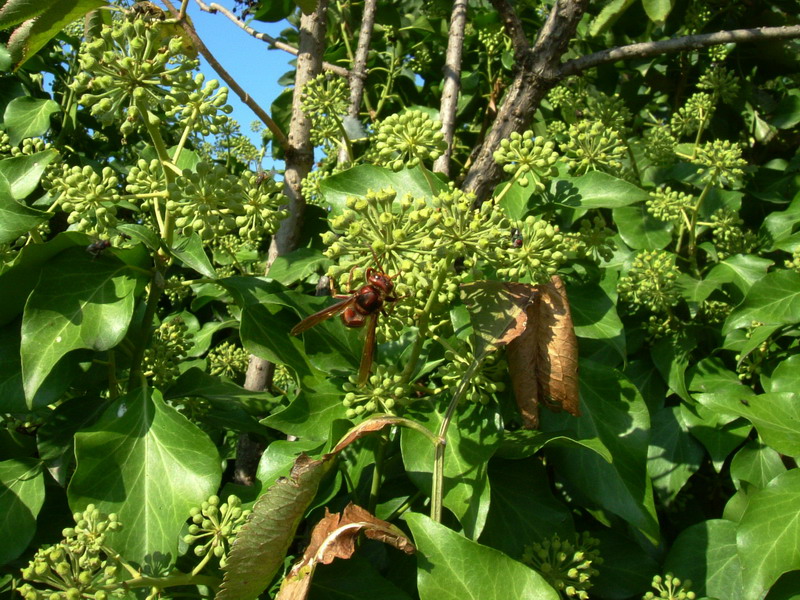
[(543, 360), (334, 537), (497, 312)]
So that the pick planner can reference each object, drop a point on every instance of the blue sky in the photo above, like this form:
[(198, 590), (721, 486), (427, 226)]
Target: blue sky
[(251, 62)]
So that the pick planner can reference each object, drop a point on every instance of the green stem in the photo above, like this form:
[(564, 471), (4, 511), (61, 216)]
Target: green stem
[(377, 473), (389, 82), (695, 215), (437, 486), (136, 376), (422, 329), (171, 580), (404, 506)]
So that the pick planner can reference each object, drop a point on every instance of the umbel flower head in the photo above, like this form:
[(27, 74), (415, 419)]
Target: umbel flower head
[(651, 281), (528, 159), (89, 197), (384, 392), (670, 588), (129, 63), (79, 566), (591, 146), (567, 565), (409, 138), (214, 526), (670, 206), (537, 255), (721, 162)]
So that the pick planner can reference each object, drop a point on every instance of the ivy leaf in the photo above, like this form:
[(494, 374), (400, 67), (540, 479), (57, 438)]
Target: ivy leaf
[(298, 265), (523, 508), (15, 219), (149, 464), (609, 15), (615, 413), (640, 230), (756, 464), (776, 416), (21, 498), (46, 26), (190, 251), (767, 535), (78, 303), (673, 455), (357, 181), (706, 554), (451, 567), (310, 415), (28, 117), (773, 300), (742, 270), (601, 190), (24, 172), (524, 443), (658, 10), (718, 433), (472, 438), (14, 12)]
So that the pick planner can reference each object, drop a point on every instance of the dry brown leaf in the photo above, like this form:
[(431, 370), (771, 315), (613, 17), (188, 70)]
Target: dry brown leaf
[(543, 360), (334, 537), (361, 430)]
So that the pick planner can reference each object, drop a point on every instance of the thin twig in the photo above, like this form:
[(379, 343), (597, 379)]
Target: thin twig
[(689, 42), (358, 73), (214, 8), (189, 29), (452, 82)]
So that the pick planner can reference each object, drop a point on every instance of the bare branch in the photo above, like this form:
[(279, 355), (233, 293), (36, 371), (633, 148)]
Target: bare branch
[(214, 8), (535, 76), (452, 82), (358, 74), (279, 136), (689, 42), (513, 27)]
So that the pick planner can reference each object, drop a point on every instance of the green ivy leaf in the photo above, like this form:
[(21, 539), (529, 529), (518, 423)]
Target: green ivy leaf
[(673, 455), (21, 498), (706, 554), (756, 464), (357, 181), (353, 578), (451, 567), (191, 252), (609, 15), (594, 315), (472, 438), (46, 26), (78, 303), (786, 376), (720, 434), (14, 12), (601, 190), (15, 219), (640, 230), (524, 443), (24, 172), (742, 270), (615, 413), (767, 535), (149, 464), (28, 117), (658, 10), (523, 509), (298, 265), (310, 415), (776, 416), (773, 300)]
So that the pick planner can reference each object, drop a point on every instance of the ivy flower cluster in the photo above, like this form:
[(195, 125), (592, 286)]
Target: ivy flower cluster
[(324, 102), (200, 108), (567, 565), (407, 139), (482, 387), (720, 162), (528, 159), (728, 235), (697, 111), (89, 197), (170, 344), (384, 392), (651, 282), (670, 587), (594, 240), (214, 526), (228, 360), (80, 565), (127, 68), (721, 82), (538, 255), (591, 146), (670, 206)]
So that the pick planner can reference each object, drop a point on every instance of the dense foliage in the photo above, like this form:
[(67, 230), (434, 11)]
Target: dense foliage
[(661, 193)]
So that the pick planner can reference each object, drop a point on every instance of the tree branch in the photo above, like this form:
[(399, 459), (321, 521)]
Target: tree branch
[(452, 82), (535, 76), (513, 27), (214, 8), (689, 42), (358, 73), (279, 136)]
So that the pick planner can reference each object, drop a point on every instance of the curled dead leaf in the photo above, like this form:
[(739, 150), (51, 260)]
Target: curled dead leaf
[(543, 360), (334, 537)]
